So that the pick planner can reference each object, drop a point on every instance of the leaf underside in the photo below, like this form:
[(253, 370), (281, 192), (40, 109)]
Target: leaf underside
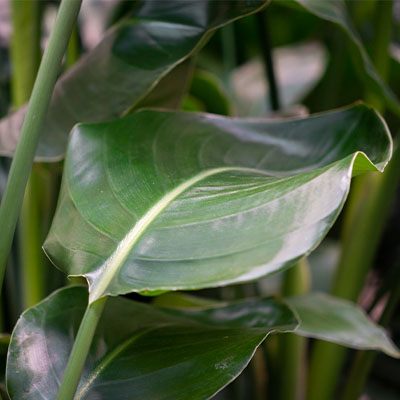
[(172, 200)]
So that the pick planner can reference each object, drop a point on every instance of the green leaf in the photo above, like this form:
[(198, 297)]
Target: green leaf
[(153, 353), (206, 88), (126, 66), (335, 11), (336, 320), (172, 200), (320, 316)]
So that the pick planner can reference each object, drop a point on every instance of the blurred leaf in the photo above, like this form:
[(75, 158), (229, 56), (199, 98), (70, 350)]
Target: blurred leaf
[(154, 354), (171, 200), (125, 67), (336, 320), (335, 11), (298, 69), (206, 88)]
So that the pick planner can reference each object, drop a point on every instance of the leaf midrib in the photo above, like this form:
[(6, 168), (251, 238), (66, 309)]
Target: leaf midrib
[(114, 263)]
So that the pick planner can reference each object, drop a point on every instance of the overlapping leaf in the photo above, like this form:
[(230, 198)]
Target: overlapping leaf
[(320, 316), (171, 200), (128, 63), (335, 11), (154, 353)]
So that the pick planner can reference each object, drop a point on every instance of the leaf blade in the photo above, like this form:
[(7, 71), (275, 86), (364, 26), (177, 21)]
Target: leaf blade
[(124, 70), (158, 353), (150, 204), (336, 320)]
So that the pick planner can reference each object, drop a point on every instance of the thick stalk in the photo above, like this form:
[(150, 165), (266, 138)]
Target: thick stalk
[(80, 350), (364, 359), (363, 226), (292, 348), (25, 59), (33, 123), (266, 52)]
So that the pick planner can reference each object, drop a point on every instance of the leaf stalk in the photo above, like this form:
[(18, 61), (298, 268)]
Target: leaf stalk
[(80, 349)]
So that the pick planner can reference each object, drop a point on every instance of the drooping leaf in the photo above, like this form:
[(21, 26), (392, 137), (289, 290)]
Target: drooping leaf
[(173, 200), (153, 354), (126, 66), (320, 316), (335, 11), (340, 321)]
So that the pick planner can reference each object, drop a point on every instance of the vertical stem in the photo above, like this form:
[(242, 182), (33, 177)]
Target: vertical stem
[(380, 45), (266, 51), (292, 348), (22, 163), (25, 59), (229, 55), (80, 349), (363, 225), (74, 48), (25, 48)]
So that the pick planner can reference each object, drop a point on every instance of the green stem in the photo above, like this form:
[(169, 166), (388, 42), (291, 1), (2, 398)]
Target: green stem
[(380, 45), (25, 48), (363, 227), (25, 60), (32, 259), (80, 349), (364, 360), (292, 348), (33, 123), (74, 48), (229, 55)]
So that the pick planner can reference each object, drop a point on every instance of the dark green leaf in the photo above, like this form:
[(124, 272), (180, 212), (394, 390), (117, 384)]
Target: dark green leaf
[(124, 68), (336, 320), (335, 11), (172, 200), (320, 316), (139, 350)]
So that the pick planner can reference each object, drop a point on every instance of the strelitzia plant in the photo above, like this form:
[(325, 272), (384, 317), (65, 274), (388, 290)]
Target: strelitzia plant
[(156, 200)]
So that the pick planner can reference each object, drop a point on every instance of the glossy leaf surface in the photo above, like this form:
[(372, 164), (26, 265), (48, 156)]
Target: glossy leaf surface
[(336, 320), (335, 11), (139, 351), (172, 200), (128, 63)]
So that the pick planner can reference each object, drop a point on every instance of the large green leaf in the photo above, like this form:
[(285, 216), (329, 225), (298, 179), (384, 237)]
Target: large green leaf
[(336, 320), (335, 11), (131, 59), (172, 200), (139, 351)]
